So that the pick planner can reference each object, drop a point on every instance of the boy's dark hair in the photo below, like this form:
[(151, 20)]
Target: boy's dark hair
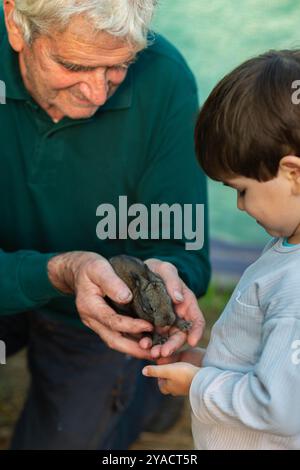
[(249, 121)]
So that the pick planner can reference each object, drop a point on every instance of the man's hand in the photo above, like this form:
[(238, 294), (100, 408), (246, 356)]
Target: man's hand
[(186, 307), (90, 277)]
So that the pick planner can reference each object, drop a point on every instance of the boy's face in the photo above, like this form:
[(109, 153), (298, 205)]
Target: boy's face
[(274, 204)]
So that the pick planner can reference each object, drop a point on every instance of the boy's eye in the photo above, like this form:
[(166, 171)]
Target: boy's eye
[(241, 193)]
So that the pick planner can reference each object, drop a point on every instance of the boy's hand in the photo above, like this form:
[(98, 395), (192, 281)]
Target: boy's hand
[(193, 356), (174, 379)]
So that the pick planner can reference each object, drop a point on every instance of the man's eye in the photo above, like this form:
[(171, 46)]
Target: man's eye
[(71, 68), (120, 68), (76, 68), (124, 66)]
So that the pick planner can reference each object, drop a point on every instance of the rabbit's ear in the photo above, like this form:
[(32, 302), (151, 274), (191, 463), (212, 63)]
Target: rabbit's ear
[(154, 277), (136, 278), (140, 281)]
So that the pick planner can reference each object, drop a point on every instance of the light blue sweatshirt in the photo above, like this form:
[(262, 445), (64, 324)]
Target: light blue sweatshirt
[(247, 394)]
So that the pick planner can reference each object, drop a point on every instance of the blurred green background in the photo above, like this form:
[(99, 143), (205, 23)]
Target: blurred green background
[(215, 36)]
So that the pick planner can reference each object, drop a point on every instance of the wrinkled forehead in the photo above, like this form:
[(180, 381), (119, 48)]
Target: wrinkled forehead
[(79, 43)]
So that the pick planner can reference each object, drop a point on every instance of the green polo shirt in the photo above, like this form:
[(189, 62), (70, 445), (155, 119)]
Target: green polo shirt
[(54, 176)]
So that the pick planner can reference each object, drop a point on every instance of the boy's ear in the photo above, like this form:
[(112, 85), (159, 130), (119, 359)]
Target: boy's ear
[(15, 36), (289, 166)]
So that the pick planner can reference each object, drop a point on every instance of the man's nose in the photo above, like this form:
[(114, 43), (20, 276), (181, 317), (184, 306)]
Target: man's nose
[(95, 88)]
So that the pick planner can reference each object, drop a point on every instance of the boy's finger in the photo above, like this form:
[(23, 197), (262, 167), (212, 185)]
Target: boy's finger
[(162, 372)]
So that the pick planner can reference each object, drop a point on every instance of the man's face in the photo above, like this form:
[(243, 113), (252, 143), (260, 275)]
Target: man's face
[(74, 73)]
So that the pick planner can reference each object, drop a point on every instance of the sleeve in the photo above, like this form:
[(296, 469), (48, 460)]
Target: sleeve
[(24, 282), (173, 176), (266, 398)]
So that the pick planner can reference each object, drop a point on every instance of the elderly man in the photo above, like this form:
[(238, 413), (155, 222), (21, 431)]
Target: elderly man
[(94, 110)]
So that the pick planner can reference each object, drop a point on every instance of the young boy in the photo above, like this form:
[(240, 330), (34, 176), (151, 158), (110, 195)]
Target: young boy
[(244, 392)]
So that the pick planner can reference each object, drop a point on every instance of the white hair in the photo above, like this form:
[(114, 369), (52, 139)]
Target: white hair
[(127, 19)]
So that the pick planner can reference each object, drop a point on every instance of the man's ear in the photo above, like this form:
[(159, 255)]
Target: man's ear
[(289, 166), (15, 35)]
